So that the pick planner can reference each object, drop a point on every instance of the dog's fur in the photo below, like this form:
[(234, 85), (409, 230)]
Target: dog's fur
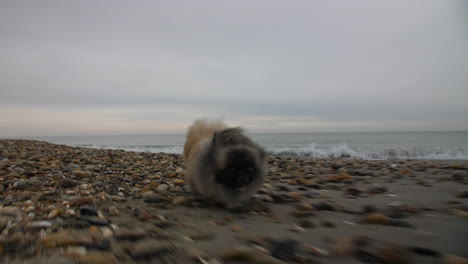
[(222, 163)]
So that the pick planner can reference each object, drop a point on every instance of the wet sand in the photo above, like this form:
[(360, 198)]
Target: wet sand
[(61, 204)]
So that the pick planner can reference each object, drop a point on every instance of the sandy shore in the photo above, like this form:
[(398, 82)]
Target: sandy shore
[(60, 204)]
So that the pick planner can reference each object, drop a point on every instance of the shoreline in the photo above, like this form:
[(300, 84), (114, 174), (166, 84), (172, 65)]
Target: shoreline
[(86, 205), (272, 154)]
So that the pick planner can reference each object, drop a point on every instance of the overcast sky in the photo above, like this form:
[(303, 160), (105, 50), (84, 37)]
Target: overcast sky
[(143, 67)]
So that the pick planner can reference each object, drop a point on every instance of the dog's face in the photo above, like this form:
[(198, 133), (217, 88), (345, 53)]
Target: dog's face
[(239, 170)]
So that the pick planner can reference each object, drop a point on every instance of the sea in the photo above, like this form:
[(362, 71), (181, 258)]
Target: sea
[(452, 145)]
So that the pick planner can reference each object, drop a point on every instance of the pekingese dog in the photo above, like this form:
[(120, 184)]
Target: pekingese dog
[(222, 163)]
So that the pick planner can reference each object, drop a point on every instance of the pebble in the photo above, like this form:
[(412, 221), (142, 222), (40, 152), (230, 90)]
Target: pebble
[(296, 228), (148, 249), (114, 211), (88, 210), (148, 194), (242, 253), (452, 259), (328, 224), (288, 249), (152, 199), (281, 198), (81, 174), (39, 224), (54, 213), (135, 234), (368, 209), (306, 223), (182, 200), (54, 260), (67, 183), (325, 206), (142, 214), (200, 235), (345, 246), (367, 257), (424, 251), (10, 211), (236, 229), (266, 198), (394, 254), (463, 194), (35, 183), (305, 206), (352, 192), (460, 213), (375, 218), (92, 257), (178, 182), (162, 187), (93, 220)]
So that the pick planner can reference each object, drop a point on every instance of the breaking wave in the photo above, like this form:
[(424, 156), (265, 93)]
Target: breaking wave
[(375, 153), (315, 151), (137, 148)]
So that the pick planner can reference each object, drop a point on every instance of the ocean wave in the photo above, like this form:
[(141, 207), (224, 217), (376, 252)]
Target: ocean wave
[(315, 151), (137, 148), (374, 153)]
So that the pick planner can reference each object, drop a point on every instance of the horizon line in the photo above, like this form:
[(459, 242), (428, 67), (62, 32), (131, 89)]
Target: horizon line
[(253, 133)]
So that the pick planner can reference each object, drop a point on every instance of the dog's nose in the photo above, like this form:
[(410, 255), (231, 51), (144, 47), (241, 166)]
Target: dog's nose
[(242, 181)]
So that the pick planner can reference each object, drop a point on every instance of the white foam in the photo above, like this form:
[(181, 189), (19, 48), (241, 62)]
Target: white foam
[(314, 151), (381, 152), (153, 149)]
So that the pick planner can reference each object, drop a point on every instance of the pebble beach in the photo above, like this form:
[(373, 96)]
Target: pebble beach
[(63, 204)]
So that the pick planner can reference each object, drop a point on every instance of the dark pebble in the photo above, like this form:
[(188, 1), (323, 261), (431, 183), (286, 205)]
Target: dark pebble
[(88, 210), (98, 184), (367, 257), (353, 192), (131, 234), (152, 199), (425, 251), (281, 198), (283, 187), (104, 245), (13, 245), (92, 220), (163, 224), (75, 224), (288, 249), (312, 194), (458, 176), (306, 224), (324, 207), (328, 224), (399, 223), (238, 209), (366, 209), (462, 194), (67, 183)]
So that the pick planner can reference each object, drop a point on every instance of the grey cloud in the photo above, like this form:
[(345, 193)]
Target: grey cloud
[(334, 61)]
